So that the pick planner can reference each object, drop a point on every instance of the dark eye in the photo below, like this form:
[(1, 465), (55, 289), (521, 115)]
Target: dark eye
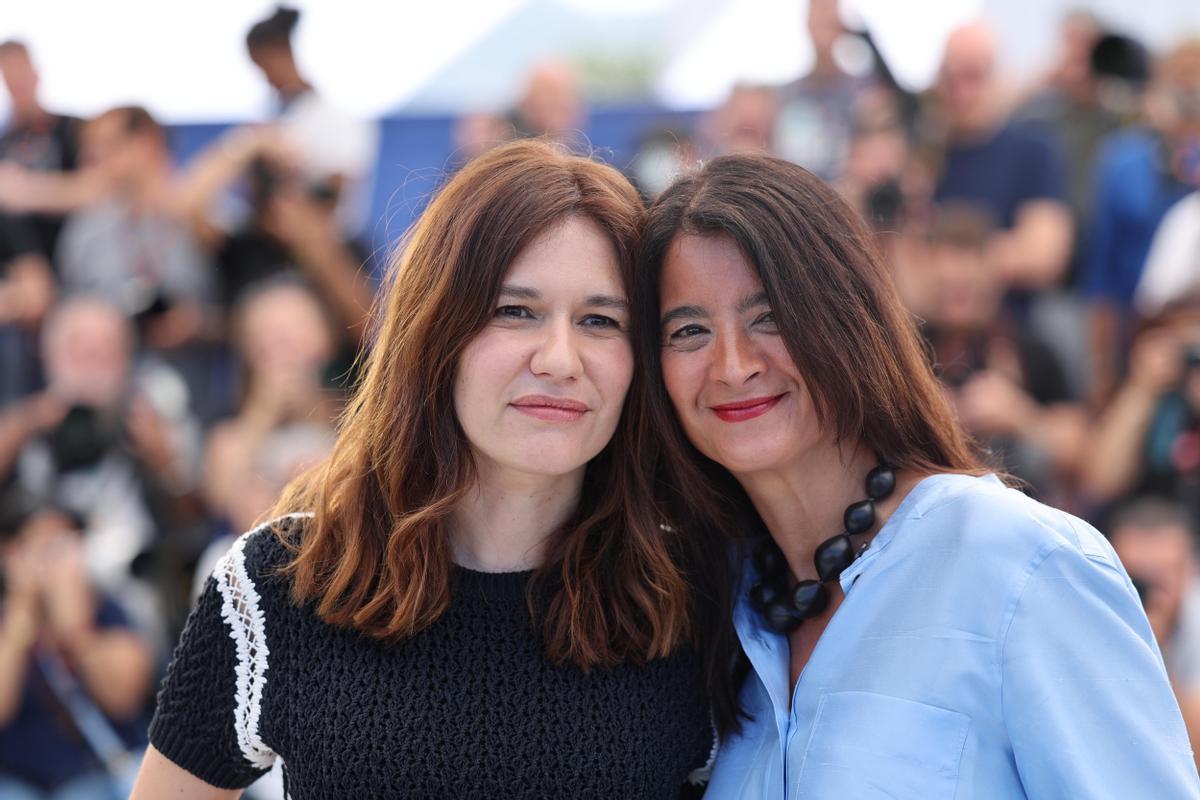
[(514, 312), (767, 318), (687, 332), (601, 321)]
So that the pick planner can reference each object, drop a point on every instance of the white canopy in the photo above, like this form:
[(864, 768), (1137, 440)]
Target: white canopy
[(187, 61)]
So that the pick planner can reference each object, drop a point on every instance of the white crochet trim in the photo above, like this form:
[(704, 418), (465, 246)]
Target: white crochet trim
[(247, 627), (701, 775)]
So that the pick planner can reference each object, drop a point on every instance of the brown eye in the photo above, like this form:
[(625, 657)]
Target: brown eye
[(687, 332), (514, 312), (601, 321)]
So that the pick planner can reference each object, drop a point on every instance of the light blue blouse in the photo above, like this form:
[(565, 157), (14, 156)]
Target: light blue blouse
[(988, 646)]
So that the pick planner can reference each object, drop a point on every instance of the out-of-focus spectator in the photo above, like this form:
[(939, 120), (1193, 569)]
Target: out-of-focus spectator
[(1156, 541), (131, 246), (126, 240), (1014, 175), (745, 122), (286, 417), (291, 227), (112, 444), (1140, 174), (875, 173), (819, 112), (1147, 441), (1172, 269), (337, 151), (27, 291), (551, 103), (1071, 103), (1007, 385), (36, 139), (74, 675)]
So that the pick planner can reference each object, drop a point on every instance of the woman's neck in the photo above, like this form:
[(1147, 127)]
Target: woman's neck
[(505, 519), (803, 504)]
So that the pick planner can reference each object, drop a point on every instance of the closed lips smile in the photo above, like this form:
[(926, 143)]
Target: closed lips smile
[(550, 409), (743, 410)]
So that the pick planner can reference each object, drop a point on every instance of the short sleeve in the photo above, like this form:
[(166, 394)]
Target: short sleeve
[(1087, 704), (196, 722), (1043, 170)]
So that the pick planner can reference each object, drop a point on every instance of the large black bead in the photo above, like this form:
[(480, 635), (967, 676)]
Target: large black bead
[(763, 594), (833, 556), (859, 517), (781, 618), (810, 598), (880, 482), (768, 560)]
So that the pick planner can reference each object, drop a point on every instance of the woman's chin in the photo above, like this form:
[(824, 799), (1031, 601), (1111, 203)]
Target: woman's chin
[(747, 457)]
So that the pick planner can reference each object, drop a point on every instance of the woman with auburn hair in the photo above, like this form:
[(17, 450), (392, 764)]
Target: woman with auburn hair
[(473, 596), (912, 628)]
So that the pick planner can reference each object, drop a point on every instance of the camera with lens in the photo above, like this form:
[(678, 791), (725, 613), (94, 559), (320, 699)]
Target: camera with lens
[(267, 179), (83, 437)]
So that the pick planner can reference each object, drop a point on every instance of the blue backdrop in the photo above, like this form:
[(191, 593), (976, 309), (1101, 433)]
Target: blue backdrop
[(415, 156)]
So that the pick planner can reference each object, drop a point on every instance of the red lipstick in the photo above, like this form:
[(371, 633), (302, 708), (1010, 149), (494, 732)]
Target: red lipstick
[(743, 410), (550, 409)]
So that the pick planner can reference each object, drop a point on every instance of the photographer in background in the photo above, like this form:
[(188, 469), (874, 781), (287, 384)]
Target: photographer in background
[(1141, 174), (125, 240), (35, 137), (74, 676), (286, 417), (291, 227), (1006, 385), (1148, 439), (1157, 544), (112, 442), (334, 148)]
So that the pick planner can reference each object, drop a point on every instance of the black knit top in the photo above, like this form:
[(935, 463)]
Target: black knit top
[(468, 708)]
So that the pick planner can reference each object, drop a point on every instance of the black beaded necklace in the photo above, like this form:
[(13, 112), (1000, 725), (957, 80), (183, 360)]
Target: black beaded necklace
[(784, 610)]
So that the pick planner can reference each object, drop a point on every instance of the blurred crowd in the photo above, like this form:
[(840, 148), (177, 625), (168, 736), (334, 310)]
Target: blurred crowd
[(177, 340)]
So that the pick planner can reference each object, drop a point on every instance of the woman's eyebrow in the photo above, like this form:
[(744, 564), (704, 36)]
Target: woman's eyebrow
[(519, 292), (607, 301), (683, 312), (753, 301)]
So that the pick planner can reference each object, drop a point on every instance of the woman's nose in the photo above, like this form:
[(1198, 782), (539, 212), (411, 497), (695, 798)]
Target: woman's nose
[(557, 355), (735, 359)]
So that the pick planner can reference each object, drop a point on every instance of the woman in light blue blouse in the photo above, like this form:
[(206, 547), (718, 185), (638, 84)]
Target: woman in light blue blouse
[(911, 627)]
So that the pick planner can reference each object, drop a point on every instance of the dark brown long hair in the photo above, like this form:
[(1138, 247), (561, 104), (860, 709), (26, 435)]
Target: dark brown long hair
[(838, 312), (615, 585)]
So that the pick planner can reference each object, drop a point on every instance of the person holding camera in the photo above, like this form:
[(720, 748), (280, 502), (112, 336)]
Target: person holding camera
[(291, 226), (124, 239), (1148, 439), (74, 675), (336, 150), (1005, 383), (110, 440), (1141, 174)]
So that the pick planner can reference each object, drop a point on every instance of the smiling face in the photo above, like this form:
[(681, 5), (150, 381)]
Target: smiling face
[(738, 394), (539, 391)]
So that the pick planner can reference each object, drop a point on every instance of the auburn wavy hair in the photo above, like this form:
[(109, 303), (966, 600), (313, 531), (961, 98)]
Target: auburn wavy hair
[(616, 585)]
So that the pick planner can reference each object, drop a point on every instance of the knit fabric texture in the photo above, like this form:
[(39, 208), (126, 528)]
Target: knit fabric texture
[(468, 708)]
